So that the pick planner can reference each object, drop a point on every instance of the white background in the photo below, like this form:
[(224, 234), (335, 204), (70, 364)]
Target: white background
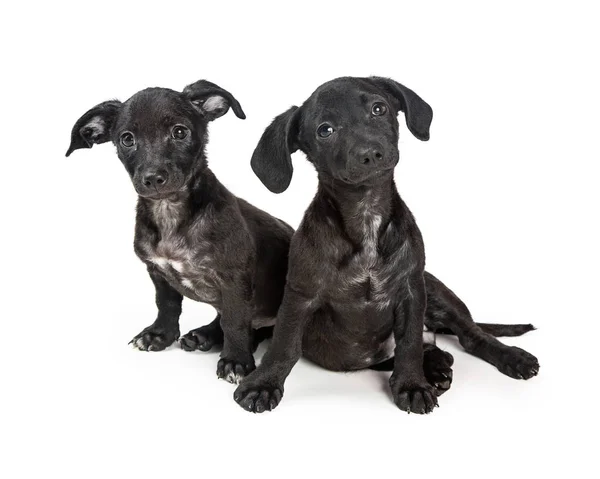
[(505, 193)]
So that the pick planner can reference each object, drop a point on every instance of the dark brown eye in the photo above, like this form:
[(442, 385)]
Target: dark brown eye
[(378, 109), (127, 139), (179, 132), (325, 130)]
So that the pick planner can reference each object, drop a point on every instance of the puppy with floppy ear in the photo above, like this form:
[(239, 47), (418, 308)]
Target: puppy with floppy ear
[(272, 158), (97, 124), (357, 295), (94, 126), (212, 100), (196, 238)]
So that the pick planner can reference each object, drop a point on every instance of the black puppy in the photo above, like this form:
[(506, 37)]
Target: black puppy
[(357, 293), (197, 239)]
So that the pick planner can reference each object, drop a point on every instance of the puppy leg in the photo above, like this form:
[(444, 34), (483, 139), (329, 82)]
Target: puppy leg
[(437, 366), (262, 390), (165, 330), (203, 338), (236, 320), (446, 310), (211, 335), (410, 389)]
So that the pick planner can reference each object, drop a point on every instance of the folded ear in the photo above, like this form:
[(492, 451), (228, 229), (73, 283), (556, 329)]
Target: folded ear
[(272, 160), (94, 126), (417, 112), (212, 100)]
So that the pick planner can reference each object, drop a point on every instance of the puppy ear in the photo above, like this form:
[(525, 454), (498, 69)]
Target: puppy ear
[(212, 100), (417, 112), (272, 160), (94, 126)]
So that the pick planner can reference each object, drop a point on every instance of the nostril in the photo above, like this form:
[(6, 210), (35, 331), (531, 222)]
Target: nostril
[(147, 183), (365, 161), (160, 180), (378, 155)]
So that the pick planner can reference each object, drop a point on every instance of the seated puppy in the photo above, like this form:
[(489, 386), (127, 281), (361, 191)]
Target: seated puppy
[(357, 294), (197, 239)]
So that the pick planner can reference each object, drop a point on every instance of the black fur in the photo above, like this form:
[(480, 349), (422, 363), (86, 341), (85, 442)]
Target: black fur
[(356, 280), (197, 239)]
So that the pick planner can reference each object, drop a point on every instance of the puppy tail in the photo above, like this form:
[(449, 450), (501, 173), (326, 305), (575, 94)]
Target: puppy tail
[(496, 329), (493, 329)]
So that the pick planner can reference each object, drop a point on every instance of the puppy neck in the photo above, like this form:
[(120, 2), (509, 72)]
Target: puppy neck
[(362, 208), (169, 213)]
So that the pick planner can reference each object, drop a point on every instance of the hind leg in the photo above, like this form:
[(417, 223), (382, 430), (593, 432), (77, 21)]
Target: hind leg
[(446, 310), (211, 335), (437, 365), (203, 338)]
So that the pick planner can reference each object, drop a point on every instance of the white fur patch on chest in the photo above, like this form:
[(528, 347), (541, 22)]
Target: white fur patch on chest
[(163, 262), (183, 260), (365, 265), (370, 223), (167, 215), (368, 264)]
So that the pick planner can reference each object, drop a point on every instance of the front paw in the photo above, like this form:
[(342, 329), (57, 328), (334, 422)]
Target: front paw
[(258, 396), (418, 397), (234, 371), (155, 338)]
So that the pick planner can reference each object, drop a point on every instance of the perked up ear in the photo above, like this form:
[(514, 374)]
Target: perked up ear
[(417, 112), (94, 126), (212, 100), (272, 160)]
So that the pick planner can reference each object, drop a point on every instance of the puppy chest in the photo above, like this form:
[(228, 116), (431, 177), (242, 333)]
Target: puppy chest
[(192, 271), (364, 285), (372, 278)]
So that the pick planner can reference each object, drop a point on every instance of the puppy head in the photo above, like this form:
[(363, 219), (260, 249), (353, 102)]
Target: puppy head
[(160, 134), (348, 129)]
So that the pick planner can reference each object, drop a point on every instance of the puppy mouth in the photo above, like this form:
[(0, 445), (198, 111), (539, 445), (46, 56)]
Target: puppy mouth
[(168, 192), (348, 178), (170, 195)]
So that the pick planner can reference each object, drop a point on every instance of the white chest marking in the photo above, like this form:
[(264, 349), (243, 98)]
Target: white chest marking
[(167, 215), (363, 264), (163, 262), (367, 265), (191, 268)]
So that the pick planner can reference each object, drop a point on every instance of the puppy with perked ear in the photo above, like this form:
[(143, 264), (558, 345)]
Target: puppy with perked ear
[(196, 238), (357, 294)]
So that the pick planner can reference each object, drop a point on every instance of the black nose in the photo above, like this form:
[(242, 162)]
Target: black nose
[(155, 180), (370, 156)]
